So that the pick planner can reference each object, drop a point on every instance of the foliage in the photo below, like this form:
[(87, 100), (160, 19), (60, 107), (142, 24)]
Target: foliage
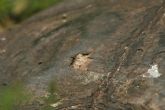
[(17, 10), (11, 97), (52, 97)]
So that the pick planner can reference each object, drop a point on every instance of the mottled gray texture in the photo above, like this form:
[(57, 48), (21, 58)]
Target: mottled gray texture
[(123, 38)]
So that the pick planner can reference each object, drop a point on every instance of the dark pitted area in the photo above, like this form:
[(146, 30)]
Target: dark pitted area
[(89, 55)]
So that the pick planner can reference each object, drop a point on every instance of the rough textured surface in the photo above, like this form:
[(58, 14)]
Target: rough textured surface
[(98, 53)]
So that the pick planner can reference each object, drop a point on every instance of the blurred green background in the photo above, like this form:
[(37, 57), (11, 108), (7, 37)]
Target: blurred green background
[(14, 11)]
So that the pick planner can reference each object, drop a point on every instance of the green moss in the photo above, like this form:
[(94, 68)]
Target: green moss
[(35, 6), (53, 96), (17, 10), (11, 97), (53, 90)]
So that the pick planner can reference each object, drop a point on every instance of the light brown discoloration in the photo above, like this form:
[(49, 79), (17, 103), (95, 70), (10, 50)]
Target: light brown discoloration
[(81, 61)]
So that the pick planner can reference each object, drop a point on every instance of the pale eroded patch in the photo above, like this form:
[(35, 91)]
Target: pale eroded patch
[(2, 51), (56, 104), (152, 72), (3, 39), (81, 61), (92, 77)]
